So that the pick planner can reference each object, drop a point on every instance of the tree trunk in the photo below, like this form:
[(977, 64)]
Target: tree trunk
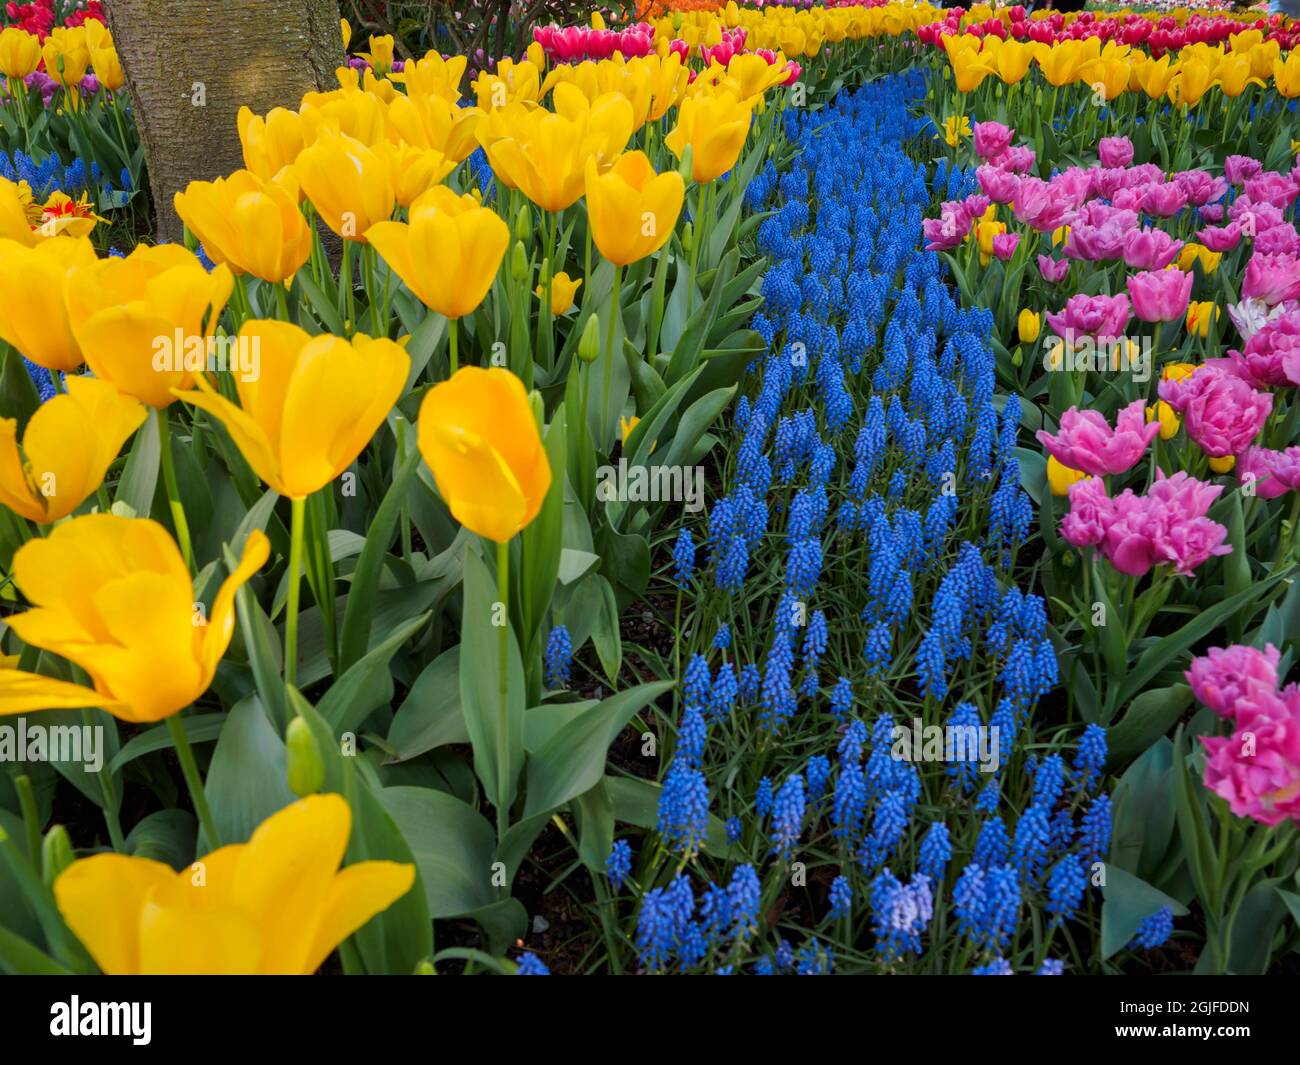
[(191, 64)]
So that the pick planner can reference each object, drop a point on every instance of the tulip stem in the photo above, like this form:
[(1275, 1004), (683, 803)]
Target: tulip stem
[(453, 342), (56, 381), (173, 491), (297, 509), (190, 770), (503, 721), (609, 337)]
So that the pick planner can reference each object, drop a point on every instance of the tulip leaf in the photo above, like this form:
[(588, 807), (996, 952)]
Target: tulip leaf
[(594, 812), (1149, 717), (605, 631), (199, 728), (19, 397), (60, 941), (247, 778), (1254, 927), (264, 652), (139, 480), (18, 957), (367, 684), (430, 716), (542, 543), (479, 691), (1129, 899), (1167, 648), (164, 836), (396, 940), (698, 417), (573, 760), (354, 637), (453, 845)]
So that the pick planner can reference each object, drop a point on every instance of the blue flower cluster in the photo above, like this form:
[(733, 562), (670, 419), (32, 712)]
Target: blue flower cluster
[(875, 476)]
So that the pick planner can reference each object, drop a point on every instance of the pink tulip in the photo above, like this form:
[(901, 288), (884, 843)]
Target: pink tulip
[(1269, 473), (1257, 769), (999, 185), (1004, 245), (1200, 187), (1091, 316), (1225, 676), (1221, 239), (1278, 240), (1085, 441), (1095, 243), (1052, 270), (1272, 278), (992, 139), (1164, 200), (1150, 249), (1238, 169), (1270, 358), (1115, 151), (1222, 413), (1160, 295), (1271, 187), (1018, 159)]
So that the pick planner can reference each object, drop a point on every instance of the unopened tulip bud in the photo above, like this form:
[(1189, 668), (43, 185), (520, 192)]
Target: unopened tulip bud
[(523, 223), (685, 166), (538, 405), (688, 237), (589, 343), (56, 854), (306, 768), (519, 262)]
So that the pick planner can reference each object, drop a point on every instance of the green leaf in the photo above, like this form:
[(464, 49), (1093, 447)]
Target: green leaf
[(1254, 928), (1128, 900), (430, 716), (199, 728), (247, 779), (164, 836), (354, 637), (367, 685), (479, 687), (453, 845), (139, 480), (573, 760), (1150, 716)]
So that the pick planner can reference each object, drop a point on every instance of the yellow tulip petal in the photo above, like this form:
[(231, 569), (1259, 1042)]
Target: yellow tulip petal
[(102, 898)]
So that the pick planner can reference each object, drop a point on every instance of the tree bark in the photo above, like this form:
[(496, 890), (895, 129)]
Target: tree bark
[(191, 64)]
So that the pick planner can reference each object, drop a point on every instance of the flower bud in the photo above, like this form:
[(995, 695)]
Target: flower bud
[(519, 262), (56, 854), (523, 223), (306, 768), (589, 343)]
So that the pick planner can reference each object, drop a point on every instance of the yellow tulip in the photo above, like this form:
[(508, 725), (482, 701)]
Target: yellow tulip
[(448, 253), (66, 56), (969, 67), (955, 128), (749, 76), (33, 315), (271, 143), (511, 82), (67, 447), (563, 290), (114, 596), (414, 170), (1200, 316), (108, 68), (1222, 463), (18, 214), (345, 28), (348, 110), (544, 154), (276, 905), (632, 211), (715, 127), (433, 76), (62, 216), (435, 123), (1190, 84), (1010, 59), (668, 81), (1154, 76), (1061, 476), (478, 435), (348, 183), (1286, 76), (253, 225), (1029, 325), (128, 315), (313, 407), (1169, 420), (1234, 73), (20, 52), (984, 234), (380, 56)]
